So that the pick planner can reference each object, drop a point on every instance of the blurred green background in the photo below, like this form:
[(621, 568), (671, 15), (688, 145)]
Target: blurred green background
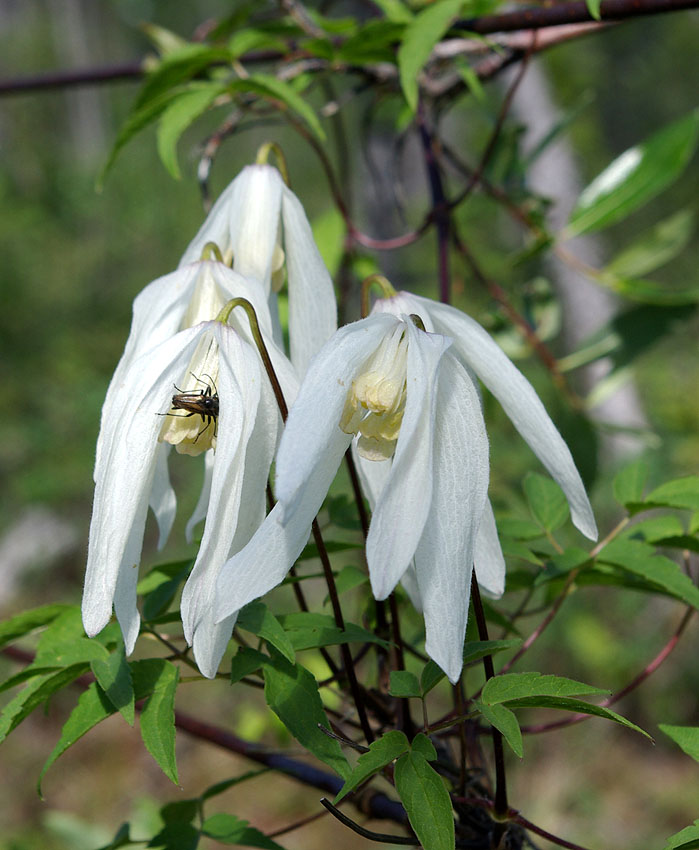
[(72, 260)]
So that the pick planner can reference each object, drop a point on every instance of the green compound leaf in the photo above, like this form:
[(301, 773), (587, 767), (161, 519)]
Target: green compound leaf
[(505, 721), (404, 684), (638, 175), (28, 621), (420, 37), (509, 686), (158, 718), (381, 753), (426, 801), (546, 501), (630, 481), (229, 829), (640, 559), (259, 620), (291, 692), (114, 677), (686, 737)]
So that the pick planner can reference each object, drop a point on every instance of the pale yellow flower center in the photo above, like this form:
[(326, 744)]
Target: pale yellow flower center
[(376, 401)]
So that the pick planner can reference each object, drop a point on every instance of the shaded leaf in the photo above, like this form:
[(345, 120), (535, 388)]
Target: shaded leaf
[(419, 38), (26, 622), (505, 721), (422, 744), (381, 753), (229, 829), (220, 787), (158, 717), (474, 650), (546, 501), (576, 705), (307, 630), (114, 677), (686, 737), (630, 481), (426, 802), (259, 620), (404, 684), (432, 674), (509, 686), (655, 247), (291, 692), (160, 585), (680, 493), (246, 661), (640, 559), (635, 177)]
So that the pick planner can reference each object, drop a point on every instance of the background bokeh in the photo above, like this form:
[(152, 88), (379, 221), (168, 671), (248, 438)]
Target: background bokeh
[(71, 262)]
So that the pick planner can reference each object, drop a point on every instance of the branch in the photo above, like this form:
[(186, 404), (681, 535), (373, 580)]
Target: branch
[(69, 79), (570, 13)]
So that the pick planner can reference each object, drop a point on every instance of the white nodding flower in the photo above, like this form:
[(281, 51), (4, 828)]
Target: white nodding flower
[(260, 225), (212, 362), (479, 353), (407, 397)]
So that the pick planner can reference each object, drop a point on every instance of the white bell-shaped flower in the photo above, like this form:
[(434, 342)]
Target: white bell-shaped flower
[(259, 225)]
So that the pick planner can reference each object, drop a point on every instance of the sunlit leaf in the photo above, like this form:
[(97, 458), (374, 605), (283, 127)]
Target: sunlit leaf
[(505, 721), (158, 718), (426, 801), (686, 737), (630, 481), (655, 247), (114, 677), (638, 175), (546, 501), (381, 753), (509, 686)]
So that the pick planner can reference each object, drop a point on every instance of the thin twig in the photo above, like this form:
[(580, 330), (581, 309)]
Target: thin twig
[(380, 837)]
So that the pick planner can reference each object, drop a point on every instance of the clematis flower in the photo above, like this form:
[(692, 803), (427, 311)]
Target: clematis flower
[(131, 464), (405, 396), (260, 225), (479, 353)]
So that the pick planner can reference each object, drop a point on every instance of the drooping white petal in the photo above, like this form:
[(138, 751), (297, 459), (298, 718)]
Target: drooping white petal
[(312, 303), (444, 557), (239, 394), (312, 433), (488, 560), (202, 505), (216, 226), (126, 473), (402, 508), (519, 400), (163, 501)]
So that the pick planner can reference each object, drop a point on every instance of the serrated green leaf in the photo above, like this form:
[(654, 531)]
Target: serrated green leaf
[(291, 692), (229, 829), (426, 802), (64, 643), (546, 501), (348, 578), (686, 737), (419, 38), (576, 705), (640, 559), (182, 112), (474, 650), (510, 686), (158, 718), (381, 753), (404, 684), (177, 68), (26, 622), (37, 691), (685, 839), (431, 676), (630, 481), (635, 177), (655, 247), (680, 493), (259, 620), (421, 744), (655, 528), (114, 677), (246, 661), (160, 586), (505, 721)]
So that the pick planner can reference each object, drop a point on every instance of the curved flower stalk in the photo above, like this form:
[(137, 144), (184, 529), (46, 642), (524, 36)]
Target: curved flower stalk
[(260, 225), (406, 396), (479, 353), (247, 428)]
